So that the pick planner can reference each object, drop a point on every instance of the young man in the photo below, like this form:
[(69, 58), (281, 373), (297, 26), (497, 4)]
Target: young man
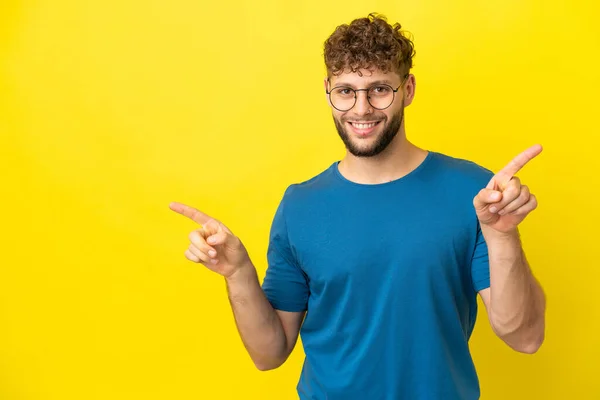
[(378, 260)]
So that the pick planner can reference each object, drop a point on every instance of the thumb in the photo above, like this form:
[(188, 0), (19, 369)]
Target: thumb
[(210, 228), (486, 197), (217, 236)]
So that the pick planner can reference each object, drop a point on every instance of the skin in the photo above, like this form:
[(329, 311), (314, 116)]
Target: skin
[(268, 335), (514, 302), (400, 156)]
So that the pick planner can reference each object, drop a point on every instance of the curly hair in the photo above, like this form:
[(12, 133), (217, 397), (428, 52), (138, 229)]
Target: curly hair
[(367, 43)]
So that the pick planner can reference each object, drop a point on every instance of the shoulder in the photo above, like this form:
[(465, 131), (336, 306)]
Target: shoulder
[(307, 200), (312, 189), (461, 171)]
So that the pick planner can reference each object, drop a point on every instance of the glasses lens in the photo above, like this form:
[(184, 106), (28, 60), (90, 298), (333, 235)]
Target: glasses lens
[(342, 98), (381, 96)]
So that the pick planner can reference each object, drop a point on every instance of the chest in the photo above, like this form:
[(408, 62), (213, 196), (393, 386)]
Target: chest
[(402, 241)]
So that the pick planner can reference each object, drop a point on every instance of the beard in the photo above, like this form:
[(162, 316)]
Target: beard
[(390, 131)]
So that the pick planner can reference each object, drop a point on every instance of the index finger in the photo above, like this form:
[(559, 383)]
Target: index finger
[(190, 212), (515, 165)]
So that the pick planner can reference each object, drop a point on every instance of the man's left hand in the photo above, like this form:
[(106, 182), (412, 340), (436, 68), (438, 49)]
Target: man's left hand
[(505, 202)]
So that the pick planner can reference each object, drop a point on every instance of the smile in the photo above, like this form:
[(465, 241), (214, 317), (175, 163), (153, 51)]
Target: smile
[(363, 128), (362, 125)]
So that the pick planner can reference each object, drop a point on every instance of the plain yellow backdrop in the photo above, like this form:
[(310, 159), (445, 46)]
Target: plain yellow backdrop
[(109, 110)]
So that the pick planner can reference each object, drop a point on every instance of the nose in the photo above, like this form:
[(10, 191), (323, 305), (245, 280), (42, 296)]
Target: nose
[(362, 106)]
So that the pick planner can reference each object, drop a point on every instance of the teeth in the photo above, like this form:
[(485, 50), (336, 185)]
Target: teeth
[(364, 126)]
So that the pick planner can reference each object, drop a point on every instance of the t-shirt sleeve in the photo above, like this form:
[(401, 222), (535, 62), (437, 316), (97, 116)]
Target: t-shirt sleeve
[(285, 284), (480, 266)]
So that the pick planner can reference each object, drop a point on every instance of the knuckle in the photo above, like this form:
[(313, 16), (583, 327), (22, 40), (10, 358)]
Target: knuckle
[(193, 236), (522, 199), (222, 238), (200, 256), (534, 202), (512, 191), (212, 224), (479, 198), (190, 256)]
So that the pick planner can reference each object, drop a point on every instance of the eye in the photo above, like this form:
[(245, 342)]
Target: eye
[(381, 90), (343, 92)]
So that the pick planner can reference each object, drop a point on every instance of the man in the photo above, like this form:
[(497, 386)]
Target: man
[(378, 260)]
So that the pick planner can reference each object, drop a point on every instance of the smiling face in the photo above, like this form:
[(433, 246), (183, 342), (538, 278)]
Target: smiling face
[(368, 83), (372, 123)]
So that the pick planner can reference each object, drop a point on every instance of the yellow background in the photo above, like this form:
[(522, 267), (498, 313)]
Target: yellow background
[(111, 109)]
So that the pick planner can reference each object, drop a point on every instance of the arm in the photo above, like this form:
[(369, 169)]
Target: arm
[(515, 301), (269, 335)]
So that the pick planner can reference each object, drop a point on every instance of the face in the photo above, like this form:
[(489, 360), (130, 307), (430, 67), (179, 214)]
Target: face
[(365, 130)]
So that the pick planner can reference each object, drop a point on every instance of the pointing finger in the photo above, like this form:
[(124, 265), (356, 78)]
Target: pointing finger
[(190, 212), (505, 174)]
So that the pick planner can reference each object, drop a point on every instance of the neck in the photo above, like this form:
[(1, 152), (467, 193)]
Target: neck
[(397, 160)]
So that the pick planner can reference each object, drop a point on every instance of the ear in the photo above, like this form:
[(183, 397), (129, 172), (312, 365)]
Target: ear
[(409, 89), (325, 86)]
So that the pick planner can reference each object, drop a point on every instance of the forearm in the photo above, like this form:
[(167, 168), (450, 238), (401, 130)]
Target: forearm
[(516, 299), (258, 324)]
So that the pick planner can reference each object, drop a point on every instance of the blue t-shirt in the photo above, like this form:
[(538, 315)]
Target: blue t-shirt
[(389, 275)]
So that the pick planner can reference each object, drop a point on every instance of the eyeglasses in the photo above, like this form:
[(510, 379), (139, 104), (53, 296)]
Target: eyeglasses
[(380, 96)]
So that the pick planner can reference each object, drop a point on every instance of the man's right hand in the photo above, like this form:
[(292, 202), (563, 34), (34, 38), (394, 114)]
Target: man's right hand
[(213, 244), (269, 335)]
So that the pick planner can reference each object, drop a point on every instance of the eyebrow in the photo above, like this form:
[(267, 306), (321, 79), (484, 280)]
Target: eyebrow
[(377, 82)]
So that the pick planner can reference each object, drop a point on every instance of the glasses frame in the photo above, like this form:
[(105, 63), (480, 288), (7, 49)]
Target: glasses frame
[(365, 90)]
